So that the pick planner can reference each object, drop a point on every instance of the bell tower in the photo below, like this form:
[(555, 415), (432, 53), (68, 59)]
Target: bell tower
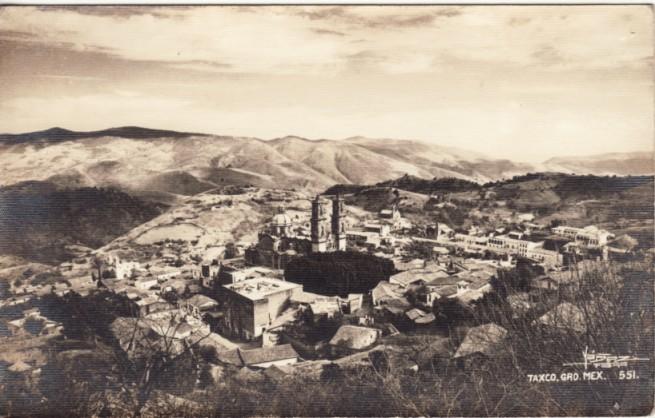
[(318, 232), (338, 227)]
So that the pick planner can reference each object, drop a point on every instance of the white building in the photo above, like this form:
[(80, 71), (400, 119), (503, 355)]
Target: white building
[(251, 306), (545, 256), (589, 236), (512, 245)]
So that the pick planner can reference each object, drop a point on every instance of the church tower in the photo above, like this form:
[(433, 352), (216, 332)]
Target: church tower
[(318, 233), (338, 227)]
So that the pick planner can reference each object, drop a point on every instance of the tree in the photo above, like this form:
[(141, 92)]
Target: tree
[(109, 274), (418, 249), (98, 263), (555, 223), (151, 363), (231, 251), (34, 325), (331, 372), (450, 310)]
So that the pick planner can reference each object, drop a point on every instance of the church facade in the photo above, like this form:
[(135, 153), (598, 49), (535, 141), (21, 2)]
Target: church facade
[(327, 234), (282, 240)]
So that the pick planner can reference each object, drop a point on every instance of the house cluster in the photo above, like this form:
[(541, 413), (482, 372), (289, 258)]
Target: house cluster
[(513, 243), (379, 234), (465, 280), (167, 300), (286, 237), (530, 245), (26, 342), (385, 235), (34, 323)]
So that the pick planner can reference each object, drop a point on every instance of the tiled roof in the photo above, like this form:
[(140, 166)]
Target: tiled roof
[(442, 279), (408, 277), (415, 313), (354, 336), (565, 315), (268, 354), (425, 319), (481, 339), (304, 297), (201, 301), (230, 357), (447, 290), (386, 290)]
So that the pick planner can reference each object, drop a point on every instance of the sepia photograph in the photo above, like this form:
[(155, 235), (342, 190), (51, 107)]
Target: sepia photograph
[(330, 210)]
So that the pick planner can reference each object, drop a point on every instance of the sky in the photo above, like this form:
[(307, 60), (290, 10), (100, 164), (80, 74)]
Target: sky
[(520, 82)]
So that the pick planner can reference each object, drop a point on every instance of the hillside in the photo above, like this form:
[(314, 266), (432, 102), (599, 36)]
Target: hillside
[(632, 163), (41, 222), (54, 135), (344, 162), (202, 225), (409, 183), (442, 161), (572, 187), (147, 161), (621, 204)]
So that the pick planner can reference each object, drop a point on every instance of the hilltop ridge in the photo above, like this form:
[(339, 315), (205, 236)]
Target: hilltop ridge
[(153, 160)]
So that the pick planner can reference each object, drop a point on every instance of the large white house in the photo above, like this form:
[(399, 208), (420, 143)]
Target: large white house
[(589, 236)]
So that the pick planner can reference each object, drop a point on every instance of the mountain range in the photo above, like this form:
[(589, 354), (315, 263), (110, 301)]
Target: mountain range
[(169, 163)]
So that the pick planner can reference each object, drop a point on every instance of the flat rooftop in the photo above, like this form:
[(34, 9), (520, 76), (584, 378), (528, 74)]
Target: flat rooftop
[(261, 287)]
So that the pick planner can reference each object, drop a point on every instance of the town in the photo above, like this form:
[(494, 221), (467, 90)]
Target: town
[(317, 287)]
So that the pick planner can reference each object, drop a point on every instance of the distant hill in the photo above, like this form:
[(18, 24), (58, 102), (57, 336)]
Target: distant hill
[(442, 161), (412, 184), (39, 220), (54, 135), (146, 161), (178, 182), (435, 185), (572, 186), (375, 198), (629, 163), (606, 197)]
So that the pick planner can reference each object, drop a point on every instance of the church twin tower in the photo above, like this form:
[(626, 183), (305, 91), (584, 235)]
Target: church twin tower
[(327, 235)]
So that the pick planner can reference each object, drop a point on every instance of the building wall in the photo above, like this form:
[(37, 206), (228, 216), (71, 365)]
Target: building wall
[(545, 256), (265, 313), (283, 362), (239, 311), (248, 319)]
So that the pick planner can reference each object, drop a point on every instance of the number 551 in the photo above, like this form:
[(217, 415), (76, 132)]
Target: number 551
[(627, 375)]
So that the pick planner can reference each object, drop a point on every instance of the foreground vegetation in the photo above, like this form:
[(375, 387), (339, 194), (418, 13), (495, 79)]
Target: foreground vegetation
[(617, 306)]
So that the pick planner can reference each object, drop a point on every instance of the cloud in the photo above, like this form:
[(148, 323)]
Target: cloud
[(519, 21), (328, 32), (326, 39), (378, 17), (117, 11), (548, 55), (447, 74), (71, 77), (200, 65), (17, 35)]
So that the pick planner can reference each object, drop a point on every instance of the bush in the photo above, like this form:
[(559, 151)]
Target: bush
[(34, 325)]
